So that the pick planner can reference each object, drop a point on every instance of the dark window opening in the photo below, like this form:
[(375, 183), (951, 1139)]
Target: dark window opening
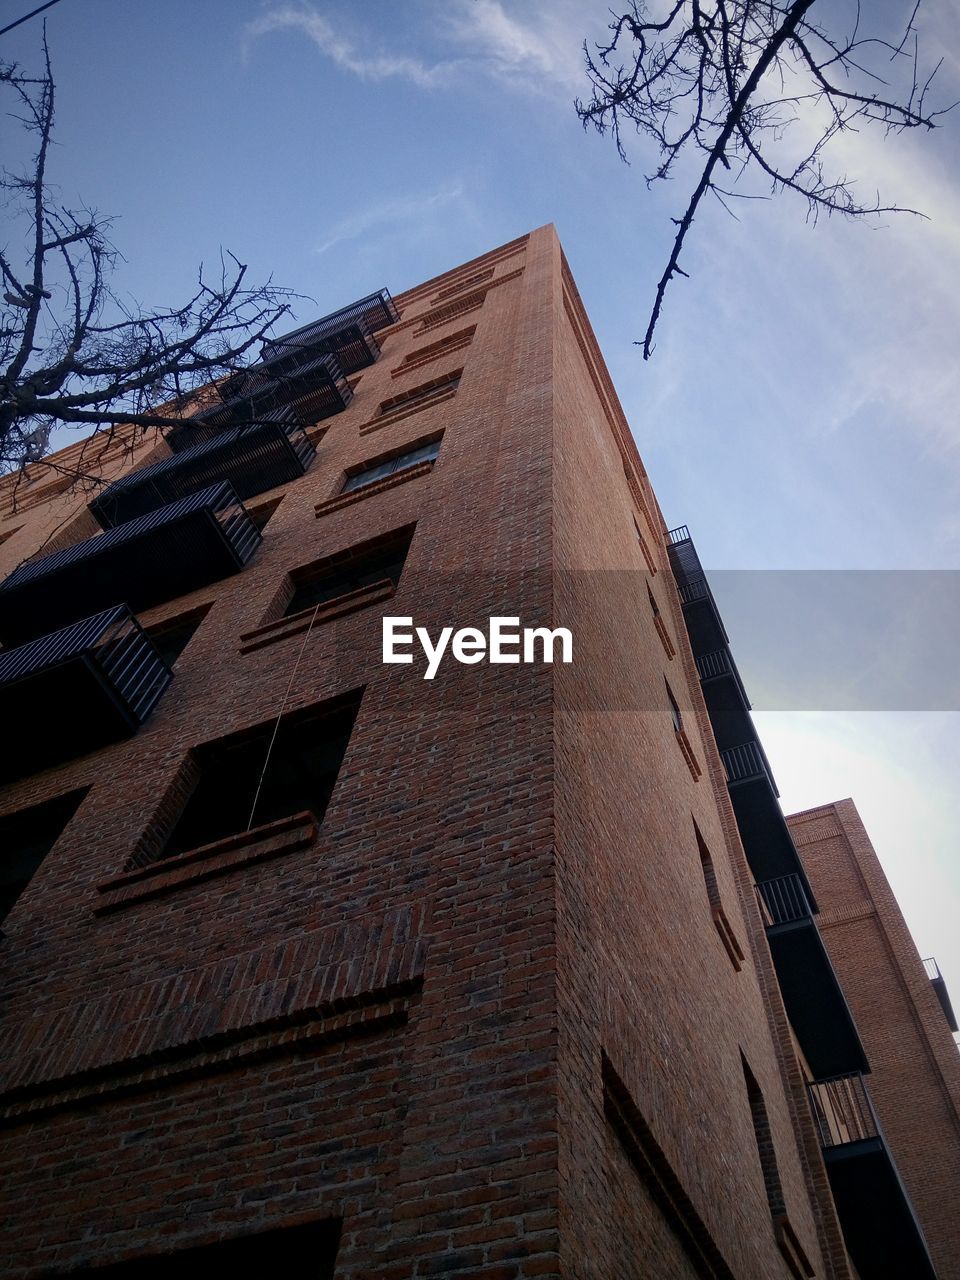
[(654, 607), (259, 516), (709, 871), (170, 638), (362, 566), (398, 462), (265, 774), (761, 1129), (306, 1250), (675, 711), (422, 394), (26, 837)]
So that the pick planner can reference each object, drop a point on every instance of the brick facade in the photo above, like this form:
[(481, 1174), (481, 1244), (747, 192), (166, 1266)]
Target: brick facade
[(915, 1068), (494, 1012)]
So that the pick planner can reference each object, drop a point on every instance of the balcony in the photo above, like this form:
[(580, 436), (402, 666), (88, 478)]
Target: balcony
[(313, 386), (812, 996), (144, 562), (879, 1224), (941, 992), (102, 677), (251, 458), (700, 613), (347, 334)]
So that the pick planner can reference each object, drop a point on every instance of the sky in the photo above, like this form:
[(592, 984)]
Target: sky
[(800, 411)]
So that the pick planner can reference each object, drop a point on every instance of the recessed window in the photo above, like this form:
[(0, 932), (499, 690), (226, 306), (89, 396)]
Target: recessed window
[(277, 769), (717, 913), (764, 1137), (26, 837), (171, 637), (674, 710), (422, 396), (306, 1250), (375, 471), (260, 516), (380, 560)]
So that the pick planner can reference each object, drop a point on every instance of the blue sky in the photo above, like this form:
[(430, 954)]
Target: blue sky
[(801, 409)]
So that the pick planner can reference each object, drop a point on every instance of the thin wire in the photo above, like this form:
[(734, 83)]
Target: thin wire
[(276, 727), (27, 16)]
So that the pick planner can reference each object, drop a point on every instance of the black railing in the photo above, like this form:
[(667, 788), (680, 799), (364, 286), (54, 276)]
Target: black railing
[(375, 311), (842, 1110), (715, 663), (251, 458), (940, 991), (353, 345), (153, 558), (102, 675), (680, 534), (694, 588), (783, 900), (743, 762)]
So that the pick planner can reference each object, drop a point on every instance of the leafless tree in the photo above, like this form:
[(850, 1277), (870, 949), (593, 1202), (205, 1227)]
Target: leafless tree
[(71, 349), (752, 87)]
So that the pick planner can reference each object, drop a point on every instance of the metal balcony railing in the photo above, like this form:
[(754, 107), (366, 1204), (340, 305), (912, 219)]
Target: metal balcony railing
[(783, 900), (743, 762), (375, 311), (251, 458), (680, 534), (932, 970), (103, 677), (715, 663), (353, 345), (842, 1110), (153, 558)]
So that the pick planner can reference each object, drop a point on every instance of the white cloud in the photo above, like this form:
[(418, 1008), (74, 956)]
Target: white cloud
[(541, 51), (343, 52), (398, 209)]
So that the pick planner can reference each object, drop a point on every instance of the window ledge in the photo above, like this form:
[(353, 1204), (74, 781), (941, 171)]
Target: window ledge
[(728, 937), (664, 635), (388, 419), (684, 744), (378, 486), (296, 623), (269, 841), (420, 361), (791, 1248)]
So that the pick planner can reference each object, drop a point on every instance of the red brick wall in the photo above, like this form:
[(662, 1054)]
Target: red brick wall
[(915, 1067), (398, 1019)]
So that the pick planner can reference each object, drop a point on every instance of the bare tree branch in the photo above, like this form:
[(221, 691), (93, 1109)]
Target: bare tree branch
[(71, 350), (727, 79)]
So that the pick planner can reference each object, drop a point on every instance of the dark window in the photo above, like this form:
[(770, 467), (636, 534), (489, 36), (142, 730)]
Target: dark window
[(362, 566), (421, 395), (26, 837), (306, 1250), (261, 515), (399, 462), (265, 774), (761, 1129), (709, 871), (654, 607), (674, 710), (172, 637)]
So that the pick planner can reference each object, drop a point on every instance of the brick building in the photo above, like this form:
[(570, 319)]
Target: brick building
[(311, 962)]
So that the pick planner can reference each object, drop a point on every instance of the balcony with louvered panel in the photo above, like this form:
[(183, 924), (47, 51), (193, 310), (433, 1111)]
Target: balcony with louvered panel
[(812, 995), (347, 334), (879, 1224), (77, 689), (251, 458), (146, 561)]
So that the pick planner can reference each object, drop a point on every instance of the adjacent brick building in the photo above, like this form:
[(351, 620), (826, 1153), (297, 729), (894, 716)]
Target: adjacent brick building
[(316, 964)]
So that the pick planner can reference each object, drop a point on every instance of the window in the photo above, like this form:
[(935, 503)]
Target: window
[(264, 774), (674, 710), (26, 837), (380, 560), (761, 1129), (261, 515), (420, 397), (170, 638), (717, 913), (374, 471), (309, 1249)]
